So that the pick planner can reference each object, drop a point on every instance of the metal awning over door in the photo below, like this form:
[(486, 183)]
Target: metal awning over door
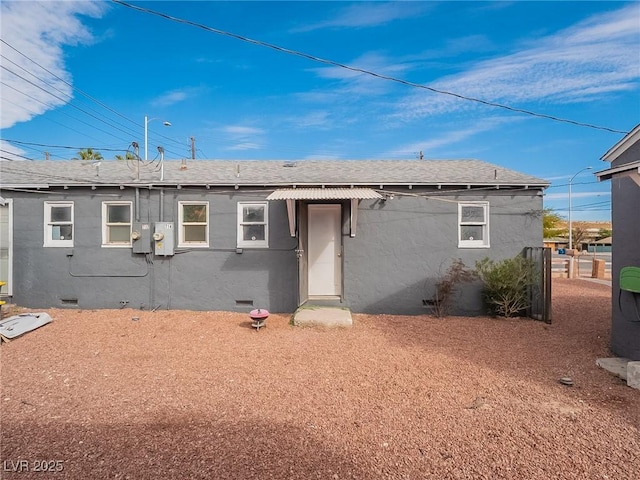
[(324, 194), (290, 195)]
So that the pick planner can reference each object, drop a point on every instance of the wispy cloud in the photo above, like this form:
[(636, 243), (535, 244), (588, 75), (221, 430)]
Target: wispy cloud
[(558, 177), (39, 30), (350, 82), (435, 143), (240, 130), (583, 62), (175, 96), (245, 146), (211, 59), (466, 44), (314, 119), (169, 98), (355, 82), (367, 15), (244, 138)]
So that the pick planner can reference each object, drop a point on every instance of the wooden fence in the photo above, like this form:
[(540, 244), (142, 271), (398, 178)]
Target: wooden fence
[(584, 266)]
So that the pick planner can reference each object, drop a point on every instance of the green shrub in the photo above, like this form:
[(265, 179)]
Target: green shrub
[(506, 284)]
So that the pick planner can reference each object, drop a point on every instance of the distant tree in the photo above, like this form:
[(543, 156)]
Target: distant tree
[(551, 223), (88, 154), (127, 156), (580, 234), (604, 233)]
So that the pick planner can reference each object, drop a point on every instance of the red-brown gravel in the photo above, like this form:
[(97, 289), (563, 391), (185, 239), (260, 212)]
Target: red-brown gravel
[(182, 395)]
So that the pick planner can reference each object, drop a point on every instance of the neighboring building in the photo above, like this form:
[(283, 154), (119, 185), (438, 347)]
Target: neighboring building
[(233, 235), (600, 246), (586, 233), (555, 243), (624, 174)]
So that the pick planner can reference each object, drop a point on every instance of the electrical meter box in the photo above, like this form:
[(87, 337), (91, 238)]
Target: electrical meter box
[(141, 238), (163, 238)]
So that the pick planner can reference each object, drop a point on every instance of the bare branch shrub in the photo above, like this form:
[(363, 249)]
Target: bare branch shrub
[(456, 274)]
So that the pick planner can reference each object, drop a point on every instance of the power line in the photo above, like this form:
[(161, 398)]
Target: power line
[(68, 99), (573, 183), (14, 154), (67, 102), (62, 146), (361, 70), (63, 125), (48, 106), (82, 93), (103, 105), (594, 204), (37, 113)]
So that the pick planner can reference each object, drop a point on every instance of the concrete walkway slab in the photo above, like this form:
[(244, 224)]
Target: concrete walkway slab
[(633, 374), (308, 316), (615, 365)]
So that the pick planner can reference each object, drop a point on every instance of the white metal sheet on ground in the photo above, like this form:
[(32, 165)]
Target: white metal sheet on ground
[(17, 325)]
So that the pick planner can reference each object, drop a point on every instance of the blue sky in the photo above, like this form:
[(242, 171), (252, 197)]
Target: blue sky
[(85, 74)]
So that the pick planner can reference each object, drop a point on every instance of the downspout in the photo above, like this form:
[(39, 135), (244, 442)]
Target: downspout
[(137, 207), (161, 150)]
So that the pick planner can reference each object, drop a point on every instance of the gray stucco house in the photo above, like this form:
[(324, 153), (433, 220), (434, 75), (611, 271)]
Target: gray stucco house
[(374, 236), (624, 173)]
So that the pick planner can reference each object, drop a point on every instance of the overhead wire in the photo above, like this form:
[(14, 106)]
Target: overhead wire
[(46, 105), (68, 103), (15, 154), (102, 104), (573, 184), (362, 70), (69, 98), (83, 93), (105, 106), (51, 106), (298, 53), (593, 204), (60, 146)]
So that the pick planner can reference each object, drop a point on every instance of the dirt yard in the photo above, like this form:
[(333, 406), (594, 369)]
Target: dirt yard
[(201, 395)]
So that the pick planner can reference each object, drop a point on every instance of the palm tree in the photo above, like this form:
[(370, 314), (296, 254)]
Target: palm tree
[(127, 156), (88, 154)]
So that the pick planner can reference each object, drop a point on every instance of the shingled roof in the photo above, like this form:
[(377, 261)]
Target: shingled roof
[(276, 173)]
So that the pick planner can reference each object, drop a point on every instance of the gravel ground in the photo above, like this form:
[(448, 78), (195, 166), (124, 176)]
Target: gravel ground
[(182, 395)]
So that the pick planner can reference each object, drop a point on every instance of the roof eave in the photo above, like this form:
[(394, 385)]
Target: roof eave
[(619, 148), (35, 186), (360, 184), (130, 184), (623, 169)]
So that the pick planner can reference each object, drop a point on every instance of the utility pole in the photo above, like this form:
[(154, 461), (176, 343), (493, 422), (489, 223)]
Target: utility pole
[(193, 148)]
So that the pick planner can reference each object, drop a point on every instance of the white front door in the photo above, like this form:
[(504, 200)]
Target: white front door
[(324, 250)]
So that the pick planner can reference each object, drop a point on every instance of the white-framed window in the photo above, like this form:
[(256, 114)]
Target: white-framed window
[(253, 224), (473, 225), (193, 224), (116, 224), (58, 224)]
